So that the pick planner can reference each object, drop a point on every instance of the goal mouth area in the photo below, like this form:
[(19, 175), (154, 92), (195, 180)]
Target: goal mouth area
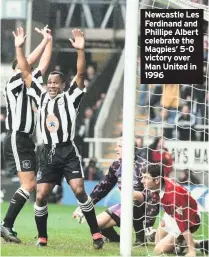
[(175, 145)]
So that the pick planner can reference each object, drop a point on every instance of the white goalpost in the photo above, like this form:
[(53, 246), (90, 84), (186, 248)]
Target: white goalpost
[(129, 101), (135, 115)]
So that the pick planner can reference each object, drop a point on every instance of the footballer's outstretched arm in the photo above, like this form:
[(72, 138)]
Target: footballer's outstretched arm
[(104, 186), (46, 56), (22, 62), (38, 51), (79, 44)]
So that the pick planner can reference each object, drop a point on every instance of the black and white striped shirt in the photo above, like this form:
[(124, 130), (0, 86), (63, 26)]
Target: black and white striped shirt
[(21, 108), (58, 115)]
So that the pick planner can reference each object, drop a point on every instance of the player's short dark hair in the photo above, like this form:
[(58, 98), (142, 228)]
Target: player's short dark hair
[(62, 76), (155, 170), (14, 64)]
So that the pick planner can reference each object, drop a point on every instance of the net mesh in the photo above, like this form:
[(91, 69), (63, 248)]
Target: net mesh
[(164, 135)]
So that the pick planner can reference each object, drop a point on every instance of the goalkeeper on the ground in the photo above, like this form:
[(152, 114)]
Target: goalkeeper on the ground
[(143, 213)]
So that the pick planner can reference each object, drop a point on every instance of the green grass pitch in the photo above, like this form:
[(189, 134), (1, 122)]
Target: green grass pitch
[(66, 236)]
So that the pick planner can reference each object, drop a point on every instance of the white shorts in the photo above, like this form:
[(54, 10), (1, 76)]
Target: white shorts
[(169, 225)]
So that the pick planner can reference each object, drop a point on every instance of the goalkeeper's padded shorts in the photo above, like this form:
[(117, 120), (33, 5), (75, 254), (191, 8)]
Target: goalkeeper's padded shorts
[(114, 212)]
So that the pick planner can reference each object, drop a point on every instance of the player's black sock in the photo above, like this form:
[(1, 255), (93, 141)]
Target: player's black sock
[(111, 234), (138, 222), (89, 213), (138, 218), (17, 202), (41, 215)]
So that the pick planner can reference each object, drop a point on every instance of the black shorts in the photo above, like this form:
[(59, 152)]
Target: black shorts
[(65, 162), (19, 152)]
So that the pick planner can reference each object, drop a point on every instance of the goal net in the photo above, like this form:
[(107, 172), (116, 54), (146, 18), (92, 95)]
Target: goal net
[(172, 125)]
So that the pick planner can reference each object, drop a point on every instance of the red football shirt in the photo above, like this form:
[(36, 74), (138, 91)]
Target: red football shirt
[(178, 203)]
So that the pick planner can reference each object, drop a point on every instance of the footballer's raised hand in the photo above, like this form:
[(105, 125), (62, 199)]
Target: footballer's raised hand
[(19, 37), (79, 40), (45, 32)]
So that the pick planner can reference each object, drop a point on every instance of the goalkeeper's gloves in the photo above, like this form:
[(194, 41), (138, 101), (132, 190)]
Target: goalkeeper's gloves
[(78, 214), (150, 234)]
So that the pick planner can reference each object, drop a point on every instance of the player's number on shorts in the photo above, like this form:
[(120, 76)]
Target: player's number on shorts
[(154, 74)]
